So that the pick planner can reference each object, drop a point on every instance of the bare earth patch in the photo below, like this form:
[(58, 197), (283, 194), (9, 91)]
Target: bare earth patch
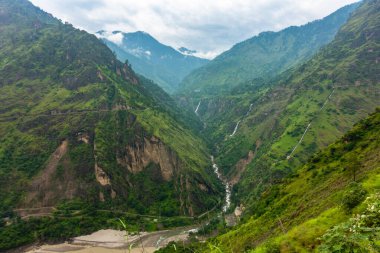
[(114, 241)]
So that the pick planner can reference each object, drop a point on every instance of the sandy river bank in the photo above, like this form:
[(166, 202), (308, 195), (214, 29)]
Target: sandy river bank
[(113, 241)]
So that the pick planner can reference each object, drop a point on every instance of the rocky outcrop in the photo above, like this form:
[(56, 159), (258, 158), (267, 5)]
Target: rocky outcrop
[(83, 137), (61, 181), (241, 165), (240, 168), (150, 150), (101, 176)]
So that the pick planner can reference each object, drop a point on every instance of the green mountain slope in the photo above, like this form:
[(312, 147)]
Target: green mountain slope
[(332, 203), (163, 64), (76, 124), (322, 194), (265, 56), (281, 124), (331, 92)]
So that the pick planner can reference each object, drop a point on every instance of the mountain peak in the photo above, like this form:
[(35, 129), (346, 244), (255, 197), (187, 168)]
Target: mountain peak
[(139, 33), (161, 63)]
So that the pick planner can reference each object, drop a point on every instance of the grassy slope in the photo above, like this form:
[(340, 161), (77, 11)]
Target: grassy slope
[(302, 208)]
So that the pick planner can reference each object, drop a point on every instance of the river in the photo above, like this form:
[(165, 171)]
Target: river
[(227, 186)]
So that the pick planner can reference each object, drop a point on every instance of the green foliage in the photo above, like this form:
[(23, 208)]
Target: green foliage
[(354, 195), (76, 218), (292, 214), (60, 83), (360, 234), (332, 91), (146, 196), (173, 247), (216, 224)]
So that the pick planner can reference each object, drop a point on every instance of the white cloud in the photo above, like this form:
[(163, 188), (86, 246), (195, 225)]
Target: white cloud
[(116, 38), (208, 26)]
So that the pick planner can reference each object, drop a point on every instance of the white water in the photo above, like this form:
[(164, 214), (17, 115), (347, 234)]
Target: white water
[(196, 110), (227, 186), (236, 128), (299, 142), (308, 126), (238, 123), (250, 109), (327, 100)]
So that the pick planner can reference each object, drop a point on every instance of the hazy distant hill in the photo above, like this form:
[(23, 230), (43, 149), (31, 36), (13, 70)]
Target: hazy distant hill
[(163, 64)]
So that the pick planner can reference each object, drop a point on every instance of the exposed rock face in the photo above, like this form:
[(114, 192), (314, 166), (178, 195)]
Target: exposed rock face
[(151, 150), (241, 165), (101, 176), (42, 190), (61, 181), (239, 211), (84, 137)]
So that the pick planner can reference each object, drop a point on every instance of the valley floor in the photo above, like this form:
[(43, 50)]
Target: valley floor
[(110, 241)]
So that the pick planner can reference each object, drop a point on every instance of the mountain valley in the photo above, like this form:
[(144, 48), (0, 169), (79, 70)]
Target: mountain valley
[(273, 146)]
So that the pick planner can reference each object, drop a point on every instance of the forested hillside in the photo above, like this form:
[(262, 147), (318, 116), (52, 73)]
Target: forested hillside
[(319, 206), (77, 124), (282, 124), (279, 150), (264, 137), (264, 56), (330, 204)]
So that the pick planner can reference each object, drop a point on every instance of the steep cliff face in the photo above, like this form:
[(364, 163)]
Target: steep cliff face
[(143, 173), (140, 155)]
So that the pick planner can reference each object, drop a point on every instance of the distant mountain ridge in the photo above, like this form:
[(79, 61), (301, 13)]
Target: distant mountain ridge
[(161, 63), (266, 55)]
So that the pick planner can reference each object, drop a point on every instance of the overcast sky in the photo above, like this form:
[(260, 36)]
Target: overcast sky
[(208, 26)]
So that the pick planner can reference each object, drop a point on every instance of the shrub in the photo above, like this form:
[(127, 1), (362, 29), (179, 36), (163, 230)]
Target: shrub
[(360, 234), (353, 196)]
